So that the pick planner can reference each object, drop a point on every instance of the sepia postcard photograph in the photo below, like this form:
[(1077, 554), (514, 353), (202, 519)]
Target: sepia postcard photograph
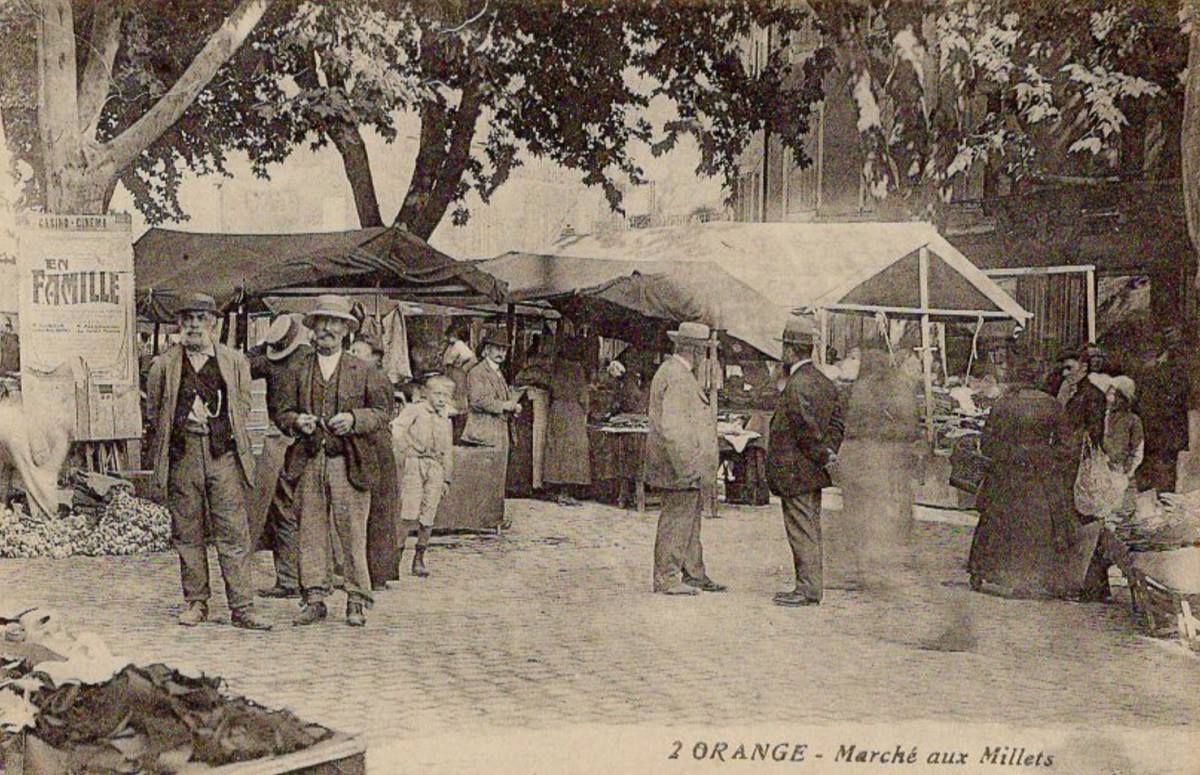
[(599, 387)]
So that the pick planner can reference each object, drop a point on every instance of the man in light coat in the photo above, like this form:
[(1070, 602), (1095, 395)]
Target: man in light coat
[(198, 394), (680, 457), (332, 403), (806, 432)]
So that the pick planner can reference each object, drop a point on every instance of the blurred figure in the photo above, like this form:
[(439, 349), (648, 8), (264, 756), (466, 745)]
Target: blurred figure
[(879, 461), (1163, 409), (382, 551), (457, 360), (567, 460), (1029, 542)]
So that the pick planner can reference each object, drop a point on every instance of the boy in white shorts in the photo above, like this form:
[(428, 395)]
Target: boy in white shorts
[(422, 439)]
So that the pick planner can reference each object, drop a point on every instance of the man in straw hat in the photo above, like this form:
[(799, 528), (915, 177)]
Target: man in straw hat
[(681, 456), (489, 401), (331, 403), (273, 501), (806, 432), (198, 394)]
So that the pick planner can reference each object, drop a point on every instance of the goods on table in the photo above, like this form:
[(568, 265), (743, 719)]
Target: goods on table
[(628, 422), (958, 414), (126, 525), (1161, 522), (87, 711)]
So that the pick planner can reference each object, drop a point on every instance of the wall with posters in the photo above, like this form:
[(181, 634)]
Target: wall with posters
[(78, 322)]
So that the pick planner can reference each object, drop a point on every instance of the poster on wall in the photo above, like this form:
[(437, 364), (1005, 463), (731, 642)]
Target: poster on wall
[(78, 322)]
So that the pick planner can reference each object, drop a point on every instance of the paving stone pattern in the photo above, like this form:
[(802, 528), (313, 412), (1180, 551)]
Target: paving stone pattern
[(552, 624)]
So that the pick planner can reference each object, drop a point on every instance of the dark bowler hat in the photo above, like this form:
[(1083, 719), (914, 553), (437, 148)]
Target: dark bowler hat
[(496, 339), (197, 302), (798, 330)]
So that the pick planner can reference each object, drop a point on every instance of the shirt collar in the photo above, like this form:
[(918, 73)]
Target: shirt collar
[(797, 366), (495, 366)]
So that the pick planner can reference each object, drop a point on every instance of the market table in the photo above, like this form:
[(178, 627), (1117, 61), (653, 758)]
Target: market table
[(475, 500), (616, 450)]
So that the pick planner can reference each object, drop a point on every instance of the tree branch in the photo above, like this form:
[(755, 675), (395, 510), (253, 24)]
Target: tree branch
[(220, 47), (58, 111), (349, 143), (105, 41)]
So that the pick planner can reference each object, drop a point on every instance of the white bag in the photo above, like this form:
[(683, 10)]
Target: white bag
[(1098, 488)]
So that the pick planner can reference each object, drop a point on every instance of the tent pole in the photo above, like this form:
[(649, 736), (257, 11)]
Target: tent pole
[(823, 322), (714, 387), (510, 362), (926, 344), (157, 329), (1091, 305), (941, 331)]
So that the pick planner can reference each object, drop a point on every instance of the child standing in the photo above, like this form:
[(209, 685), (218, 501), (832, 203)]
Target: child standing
[(423, 442)]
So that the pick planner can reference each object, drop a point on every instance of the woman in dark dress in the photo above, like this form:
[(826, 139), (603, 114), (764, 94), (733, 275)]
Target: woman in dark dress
[(1029, 542)]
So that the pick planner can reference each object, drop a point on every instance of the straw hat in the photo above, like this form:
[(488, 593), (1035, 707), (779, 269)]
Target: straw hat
[(1125, 386), (283, 337), (696, 333), (333, 306)]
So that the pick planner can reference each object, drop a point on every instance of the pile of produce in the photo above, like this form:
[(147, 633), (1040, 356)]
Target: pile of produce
[(125, 525), (84, 710), (1161, 522)]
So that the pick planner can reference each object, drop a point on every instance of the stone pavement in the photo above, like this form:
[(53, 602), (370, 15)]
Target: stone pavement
[(552, 626)]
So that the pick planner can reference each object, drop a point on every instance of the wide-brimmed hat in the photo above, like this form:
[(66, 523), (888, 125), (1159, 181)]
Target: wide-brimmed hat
[(496, 339), (333, 306), (798, 330), (696, 333), (1102, 381), (197, 302), (283, 337), (1125, 386)]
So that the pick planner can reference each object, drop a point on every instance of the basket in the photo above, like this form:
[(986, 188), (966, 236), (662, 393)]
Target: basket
[(968, 466)]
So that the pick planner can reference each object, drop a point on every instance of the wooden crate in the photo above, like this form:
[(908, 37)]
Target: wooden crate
[(340, 754)]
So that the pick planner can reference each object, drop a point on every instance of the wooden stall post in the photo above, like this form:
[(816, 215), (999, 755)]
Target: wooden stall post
[(713, 387), (157, 333), (926, 340), (510, 368), (1091, 305), (823, 328)]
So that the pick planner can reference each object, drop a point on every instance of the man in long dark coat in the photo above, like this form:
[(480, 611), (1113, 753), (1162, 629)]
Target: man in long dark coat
[(806, 432)]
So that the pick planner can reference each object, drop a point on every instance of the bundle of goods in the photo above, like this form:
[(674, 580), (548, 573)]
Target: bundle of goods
[(959, 413), (1161, 522), (631, 422), (68, 705), (124, 525)]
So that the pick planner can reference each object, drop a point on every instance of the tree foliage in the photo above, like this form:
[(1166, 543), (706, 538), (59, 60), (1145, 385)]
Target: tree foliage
[(492, 81), (1022, 87)]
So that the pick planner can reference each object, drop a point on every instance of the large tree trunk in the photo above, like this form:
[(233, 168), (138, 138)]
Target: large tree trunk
[(349, 143), (445, 148), (80, 173), (1189, 141)]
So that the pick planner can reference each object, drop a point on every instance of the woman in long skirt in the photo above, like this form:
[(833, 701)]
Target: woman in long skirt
[(568, 460)]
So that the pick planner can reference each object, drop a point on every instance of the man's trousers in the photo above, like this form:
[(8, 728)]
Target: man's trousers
[(677, 545), (202, 490)]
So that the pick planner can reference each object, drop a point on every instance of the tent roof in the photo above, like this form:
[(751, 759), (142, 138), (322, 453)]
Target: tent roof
[(658, 291), (803, 264), (169, 264)]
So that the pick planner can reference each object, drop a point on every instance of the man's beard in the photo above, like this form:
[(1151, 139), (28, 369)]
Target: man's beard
[(195, 342)]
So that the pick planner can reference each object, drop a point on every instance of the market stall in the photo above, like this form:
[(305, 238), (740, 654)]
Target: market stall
[(384, 267), (638, 302)]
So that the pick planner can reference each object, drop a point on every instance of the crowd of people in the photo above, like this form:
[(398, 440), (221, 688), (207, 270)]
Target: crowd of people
[(347, 477), (1065, 455)]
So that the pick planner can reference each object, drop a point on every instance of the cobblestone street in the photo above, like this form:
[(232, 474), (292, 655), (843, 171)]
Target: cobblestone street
[(552, 626)]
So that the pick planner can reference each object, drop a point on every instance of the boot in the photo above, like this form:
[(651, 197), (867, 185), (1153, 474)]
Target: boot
[(310, 613), (356, 614), (247, 620), (418, 566), (195, 613)]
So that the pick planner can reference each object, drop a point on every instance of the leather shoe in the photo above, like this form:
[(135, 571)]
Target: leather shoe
[(247, 620), (279, 592), (195, 613), (706, 585), (311, 613), (794, 599), (356, 615), (679, 589), (379, 586)]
